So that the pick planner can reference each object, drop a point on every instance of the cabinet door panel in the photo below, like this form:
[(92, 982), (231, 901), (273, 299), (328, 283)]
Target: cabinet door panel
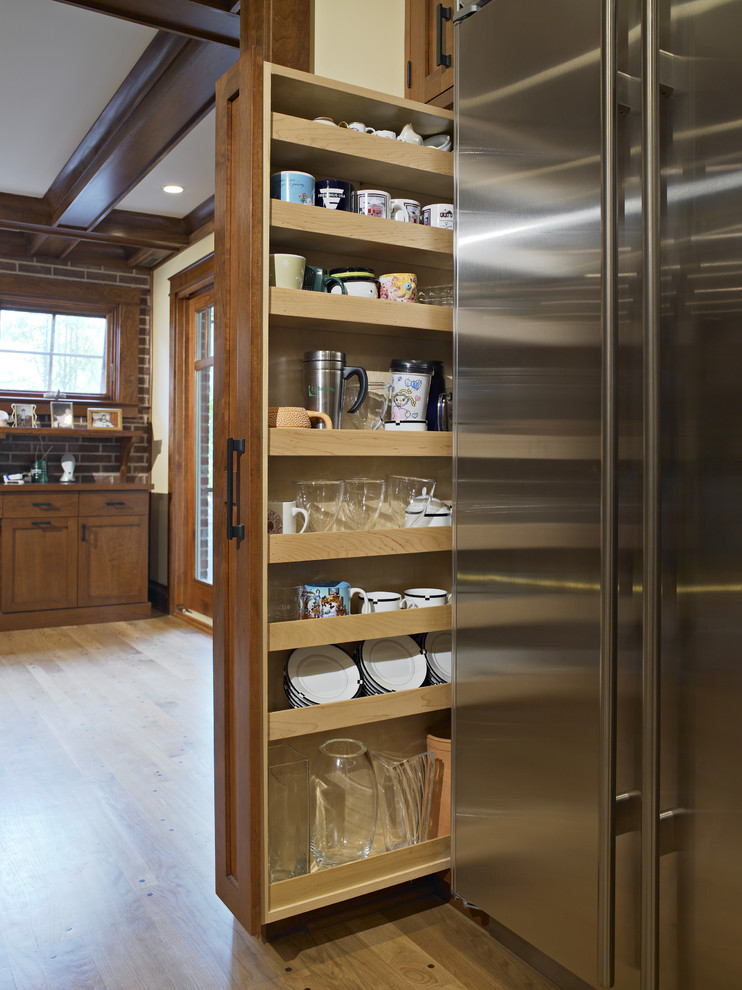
[(113, 560), (426, 80), (39, 564)]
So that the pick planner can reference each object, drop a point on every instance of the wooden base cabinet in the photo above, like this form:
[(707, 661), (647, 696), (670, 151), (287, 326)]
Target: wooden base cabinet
[(71, 557), (265, 124)]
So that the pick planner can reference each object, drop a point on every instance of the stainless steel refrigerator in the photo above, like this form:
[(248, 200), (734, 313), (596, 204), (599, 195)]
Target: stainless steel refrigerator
[(598, 486)]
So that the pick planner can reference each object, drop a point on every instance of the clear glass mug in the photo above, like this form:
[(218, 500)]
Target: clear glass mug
[(371, 414), (321, 499), (404, 492)]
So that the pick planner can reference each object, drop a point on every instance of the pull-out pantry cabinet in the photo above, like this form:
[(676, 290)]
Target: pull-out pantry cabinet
[(265, 124)]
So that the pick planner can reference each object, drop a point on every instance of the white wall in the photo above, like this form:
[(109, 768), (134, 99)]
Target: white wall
[(161, 398), (361, 42)]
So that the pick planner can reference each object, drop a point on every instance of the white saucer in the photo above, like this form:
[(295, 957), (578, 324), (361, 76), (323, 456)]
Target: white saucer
[(394, 663), (323, 674), (439, 650)]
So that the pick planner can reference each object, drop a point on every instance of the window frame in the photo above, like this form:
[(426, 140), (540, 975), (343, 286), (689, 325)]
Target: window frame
[(120, 306)]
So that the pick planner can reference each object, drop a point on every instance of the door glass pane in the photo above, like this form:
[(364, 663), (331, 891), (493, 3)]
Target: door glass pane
[(204, 396)]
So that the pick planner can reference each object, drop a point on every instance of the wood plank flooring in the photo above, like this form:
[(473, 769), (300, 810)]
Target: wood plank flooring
[(106, 839)]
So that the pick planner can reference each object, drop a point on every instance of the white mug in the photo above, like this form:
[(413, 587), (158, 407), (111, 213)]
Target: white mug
[(358, 125), (373, 202), (425, 597), (438, 516), (438, 215), (406, 210), (387, 134), (282, 517), (380, 601)]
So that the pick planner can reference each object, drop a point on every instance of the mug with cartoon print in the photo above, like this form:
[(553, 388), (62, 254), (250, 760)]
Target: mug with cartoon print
[(410, 387)]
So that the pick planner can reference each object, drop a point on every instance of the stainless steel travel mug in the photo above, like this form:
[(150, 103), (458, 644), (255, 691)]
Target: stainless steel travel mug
[(325, 373)]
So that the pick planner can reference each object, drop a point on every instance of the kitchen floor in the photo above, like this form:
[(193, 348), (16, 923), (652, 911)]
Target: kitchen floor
[(106, 839)]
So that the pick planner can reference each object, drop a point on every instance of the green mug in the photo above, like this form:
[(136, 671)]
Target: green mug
[(317, 280)]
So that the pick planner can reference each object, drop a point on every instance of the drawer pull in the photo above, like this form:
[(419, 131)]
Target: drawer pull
[(41, 522), (84, 532), (115, 503), (42, 505)]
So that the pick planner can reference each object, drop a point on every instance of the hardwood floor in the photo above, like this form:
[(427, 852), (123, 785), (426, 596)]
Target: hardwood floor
[(106, 839)]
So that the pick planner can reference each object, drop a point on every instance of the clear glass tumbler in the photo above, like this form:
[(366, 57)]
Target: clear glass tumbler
[(401, 491), (362, 501), (405, 786), (343, 803), (322, 500)]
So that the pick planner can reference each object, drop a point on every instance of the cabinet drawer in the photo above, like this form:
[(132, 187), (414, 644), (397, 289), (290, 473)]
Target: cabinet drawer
[(39, 504), (116, 503)]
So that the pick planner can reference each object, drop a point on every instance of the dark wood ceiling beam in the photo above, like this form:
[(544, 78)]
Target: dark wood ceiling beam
[(182, 97), (202, 22), (170, 243)]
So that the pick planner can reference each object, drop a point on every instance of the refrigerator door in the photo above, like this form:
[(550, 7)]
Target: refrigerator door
[(528, 481), (702, 473)]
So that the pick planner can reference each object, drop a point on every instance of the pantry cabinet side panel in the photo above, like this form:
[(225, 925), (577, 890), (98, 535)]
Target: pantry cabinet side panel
[(238, 561)]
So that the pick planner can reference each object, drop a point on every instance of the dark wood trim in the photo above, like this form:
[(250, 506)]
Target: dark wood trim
[(281, 29), (193, 281), (125, 240), (187, 17), (74, 616), (200, 217), (158, 596), (120, 303), (182, 97)]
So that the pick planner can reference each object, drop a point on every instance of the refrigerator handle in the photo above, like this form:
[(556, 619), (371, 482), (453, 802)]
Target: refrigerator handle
[(609, 505), (651, 500)]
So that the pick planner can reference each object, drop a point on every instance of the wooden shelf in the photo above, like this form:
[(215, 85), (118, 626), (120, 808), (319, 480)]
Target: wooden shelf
[(358, 711), (296, 308), (284, 549), (325, 887), (348, 628), (305, 95), (358, 443), (363, 159), (125, 438), (312, 228)]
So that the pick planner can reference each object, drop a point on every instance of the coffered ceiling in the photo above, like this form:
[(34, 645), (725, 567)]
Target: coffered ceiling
[(99, 111)]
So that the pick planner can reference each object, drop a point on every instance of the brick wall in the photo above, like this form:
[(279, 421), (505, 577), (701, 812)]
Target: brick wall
[(95, 458)]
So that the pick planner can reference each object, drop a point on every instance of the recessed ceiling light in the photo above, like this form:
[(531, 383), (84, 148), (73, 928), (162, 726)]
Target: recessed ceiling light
[(172, 189)]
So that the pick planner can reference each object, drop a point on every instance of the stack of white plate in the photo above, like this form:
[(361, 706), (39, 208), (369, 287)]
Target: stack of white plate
[(318, 675), (437, 646), (393, 664)]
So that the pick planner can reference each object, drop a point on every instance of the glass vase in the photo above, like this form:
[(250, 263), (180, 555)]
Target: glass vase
[(343, 803)]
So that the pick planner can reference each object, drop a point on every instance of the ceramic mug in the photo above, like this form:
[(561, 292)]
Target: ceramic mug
[(327, 599), (282, 518), (387, 134), (422, 510), (324, 120), (286, 271), (293, 187), (295, 417), (357, 281), (358, 125), (438, 516), (334, 194), (425, 597), (316, 279), (406, 210), (380, 601), (373, 203), (438, 215), (398, 287)]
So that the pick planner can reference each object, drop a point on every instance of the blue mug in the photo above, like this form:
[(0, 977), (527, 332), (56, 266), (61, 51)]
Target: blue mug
[(326, 599), (293, 187)]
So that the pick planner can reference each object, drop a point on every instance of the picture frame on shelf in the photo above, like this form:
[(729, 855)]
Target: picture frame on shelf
[(104, 419), (23, 414), (61, 415)]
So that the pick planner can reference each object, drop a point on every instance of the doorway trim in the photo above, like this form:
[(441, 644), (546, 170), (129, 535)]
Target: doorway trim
[(198, 278)]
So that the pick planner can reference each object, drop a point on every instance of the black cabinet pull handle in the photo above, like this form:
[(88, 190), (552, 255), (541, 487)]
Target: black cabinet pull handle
[(84, 532), (442, 14), (41, 522), (234, 532), (115, 503), (42, 505)]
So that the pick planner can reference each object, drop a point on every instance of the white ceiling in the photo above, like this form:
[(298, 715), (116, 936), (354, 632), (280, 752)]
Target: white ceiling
[(59, 67)]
